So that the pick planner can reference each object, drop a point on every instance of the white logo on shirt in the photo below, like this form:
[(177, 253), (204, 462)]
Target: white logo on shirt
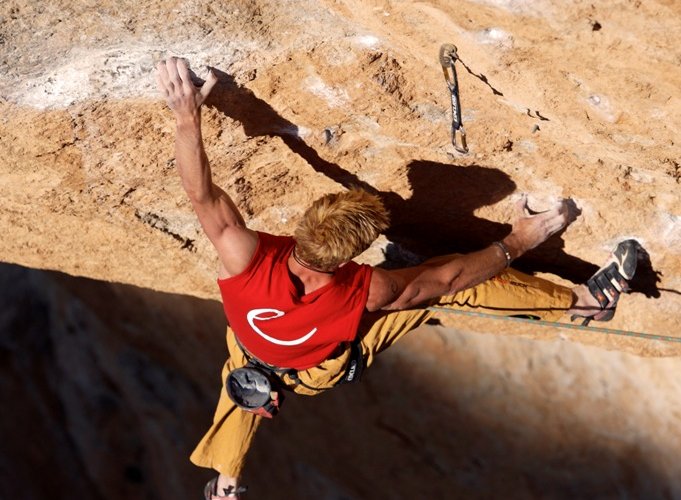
[(257, 314)]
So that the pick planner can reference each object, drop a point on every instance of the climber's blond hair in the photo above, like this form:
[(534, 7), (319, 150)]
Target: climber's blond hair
[(338, 227)]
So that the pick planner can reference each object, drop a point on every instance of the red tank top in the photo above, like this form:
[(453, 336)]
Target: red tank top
[(280, 327)]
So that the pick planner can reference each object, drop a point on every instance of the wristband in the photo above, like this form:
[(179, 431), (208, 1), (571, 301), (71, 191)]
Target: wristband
[(504, 250)]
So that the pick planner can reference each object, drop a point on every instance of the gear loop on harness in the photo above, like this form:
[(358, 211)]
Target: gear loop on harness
[(448, 56)]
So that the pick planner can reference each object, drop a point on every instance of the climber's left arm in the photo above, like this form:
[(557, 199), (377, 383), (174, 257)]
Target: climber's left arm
[(216, 211)]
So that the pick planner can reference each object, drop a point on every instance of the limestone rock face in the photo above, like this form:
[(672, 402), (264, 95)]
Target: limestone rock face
[(108, 379), (106, 388), (579, 102)]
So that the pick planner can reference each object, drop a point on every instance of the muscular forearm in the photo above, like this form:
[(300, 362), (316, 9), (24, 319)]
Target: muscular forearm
[(215, 208), (446, 275), (465, 271), (217, 213), (449, 274), (190, 156)]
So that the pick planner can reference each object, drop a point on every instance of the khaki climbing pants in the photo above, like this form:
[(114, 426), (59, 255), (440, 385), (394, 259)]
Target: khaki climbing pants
[(224, 446)]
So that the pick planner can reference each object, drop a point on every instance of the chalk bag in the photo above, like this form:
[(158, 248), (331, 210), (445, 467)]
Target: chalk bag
[(254, 390)]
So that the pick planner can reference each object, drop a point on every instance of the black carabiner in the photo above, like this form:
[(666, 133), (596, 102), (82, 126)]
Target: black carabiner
[(448, 57)]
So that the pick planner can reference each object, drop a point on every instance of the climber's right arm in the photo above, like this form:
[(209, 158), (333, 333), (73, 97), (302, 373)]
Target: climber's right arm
[(217, 213), (446, 275)]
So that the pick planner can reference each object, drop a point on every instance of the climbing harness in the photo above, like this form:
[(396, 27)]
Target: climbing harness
[(258, 387), (355, 366), (540, 322), (448, 56)]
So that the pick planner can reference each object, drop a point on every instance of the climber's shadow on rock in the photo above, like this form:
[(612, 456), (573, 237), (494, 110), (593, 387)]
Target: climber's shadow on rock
[(258, 118), (240, 103), (440, 215)]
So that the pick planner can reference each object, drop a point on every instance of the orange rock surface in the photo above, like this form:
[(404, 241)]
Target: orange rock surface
[(577, 100)]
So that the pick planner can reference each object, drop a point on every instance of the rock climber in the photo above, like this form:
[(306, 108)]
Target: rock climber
[(304, 317)]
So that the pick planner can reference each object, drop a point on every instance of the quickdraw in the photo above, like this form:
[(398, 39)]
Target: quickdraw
[(448, 57)]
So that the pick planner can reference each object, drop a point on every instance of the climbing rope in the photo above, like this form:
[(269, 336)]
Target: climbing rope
[(611, 331), (448, 57)]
